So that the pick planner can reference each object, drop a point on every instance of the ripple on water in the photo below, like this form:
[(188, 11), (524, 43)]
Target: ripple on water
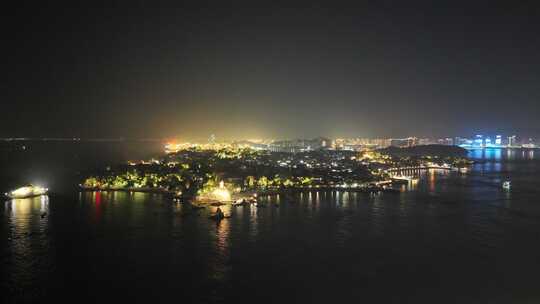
[(462, 234)]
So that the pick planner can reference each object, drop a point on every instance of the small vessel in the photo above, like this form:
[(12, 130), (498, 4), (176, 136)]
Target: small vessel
[(217, 204), (219, 218), (240, 202), (177, 195), (27, 191), (506, 185)]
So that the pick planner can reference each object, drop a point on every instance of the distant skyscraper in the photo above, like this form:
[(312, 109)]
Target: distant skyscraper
[(412, 141), (424, 141), (512, 141), (529, 144), (460, 141), (498, 140), (319, 143), (479, 141)]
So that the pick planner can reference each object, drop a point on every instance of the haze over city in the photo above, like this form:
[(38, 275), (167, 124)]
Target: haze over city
[(373, 70)]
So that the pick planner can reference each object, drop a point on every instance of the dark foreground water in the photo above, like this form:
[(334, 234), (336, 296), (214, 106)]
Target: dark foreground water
[(452, 238)]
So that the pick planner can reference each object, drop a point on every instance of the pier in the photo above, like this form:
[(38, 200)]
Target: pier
[(415, 169)]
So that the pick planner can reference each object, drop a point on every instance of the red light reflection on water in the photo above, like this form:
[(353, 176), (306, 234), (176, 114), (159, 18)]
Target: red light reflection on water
[(97, 200)]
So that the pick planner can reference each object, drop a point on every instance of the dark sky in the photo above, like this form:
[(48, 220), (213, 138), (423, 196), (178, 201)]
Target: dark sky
[(388, 69)]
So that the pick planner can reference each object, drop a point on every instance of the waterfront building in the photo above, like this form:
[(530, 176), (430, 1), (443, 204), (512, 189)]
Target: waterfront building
[(498, 140), (530, 144), (303, 145), (445, 141), (512, 141), (478, 141), (412, 141), (459, 141), (424, 141), (404, 142), (250, 144)]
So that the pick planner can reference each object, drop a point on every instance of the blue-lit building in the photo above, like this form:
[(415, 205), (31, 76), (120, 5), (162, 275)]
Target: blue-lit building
[(478, 141), (498, 141), (481, 141)]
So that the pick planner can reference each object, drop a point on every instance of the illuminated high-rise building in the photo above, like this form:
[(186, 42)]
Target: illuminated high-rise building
[(399, 142), (458, 141), (412, 141), (498, 140), (512, 141), (479, 141), (424, 141)]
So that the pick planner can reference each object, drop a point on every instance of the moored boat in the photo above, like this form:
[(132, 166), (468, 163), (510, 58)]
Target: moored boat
[(27, 191)]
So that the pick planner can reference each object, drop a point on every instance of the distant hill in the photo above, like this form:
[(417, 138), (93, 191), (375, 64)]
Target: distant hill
[(427, 150)]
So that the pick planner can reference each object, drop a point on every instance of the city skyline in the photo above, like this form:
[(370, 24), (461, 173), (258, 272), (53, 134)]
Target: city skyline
[(497, 139)]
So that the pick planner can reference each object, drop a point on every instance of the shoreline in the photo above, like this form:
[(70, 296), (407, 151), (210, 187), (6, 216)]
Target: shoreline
[(141, 190), (249, 194)]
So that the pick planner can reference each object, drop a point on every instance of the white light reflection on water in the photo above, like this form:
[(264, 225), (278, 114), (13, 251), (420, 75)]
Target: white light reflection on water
[(28, 221), (377, 215), (432, 180), (275, 205), (253, 221), (403, 210), (317, 200), (219, 268), (345, 199), (471, 226), (28, 214)]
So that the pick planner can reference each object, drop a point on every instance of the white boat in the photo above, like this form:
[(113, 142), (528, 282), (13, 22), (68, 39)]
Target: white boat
[(27, 191), (506, 185)]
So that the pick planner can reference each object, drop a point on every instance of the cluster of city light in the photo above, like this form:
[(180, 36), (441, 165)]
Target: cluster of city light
[(480, 142), (355, 144), (176, 147), (173, 147), (144, 162), (222, 193)]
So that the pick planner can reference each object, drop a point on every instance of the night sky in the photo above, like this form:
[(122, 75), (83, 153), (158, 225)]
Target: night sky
[(396, 69)]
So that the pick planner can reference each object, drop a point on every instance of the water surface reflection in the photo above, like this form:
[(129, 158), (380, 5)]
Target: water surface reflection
[(456, 234)]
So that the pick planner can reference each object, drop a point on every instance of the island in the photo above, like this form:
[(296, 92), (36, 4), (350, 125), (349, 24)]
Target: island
[(226, 174)]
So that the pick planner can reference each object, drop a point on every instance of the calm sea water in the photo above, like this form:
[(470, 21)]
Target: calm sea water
[(451, 238)]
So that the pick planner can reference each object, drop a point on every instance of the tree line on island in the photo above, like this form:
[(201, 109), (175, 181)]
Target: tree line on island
[(194, 172)]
